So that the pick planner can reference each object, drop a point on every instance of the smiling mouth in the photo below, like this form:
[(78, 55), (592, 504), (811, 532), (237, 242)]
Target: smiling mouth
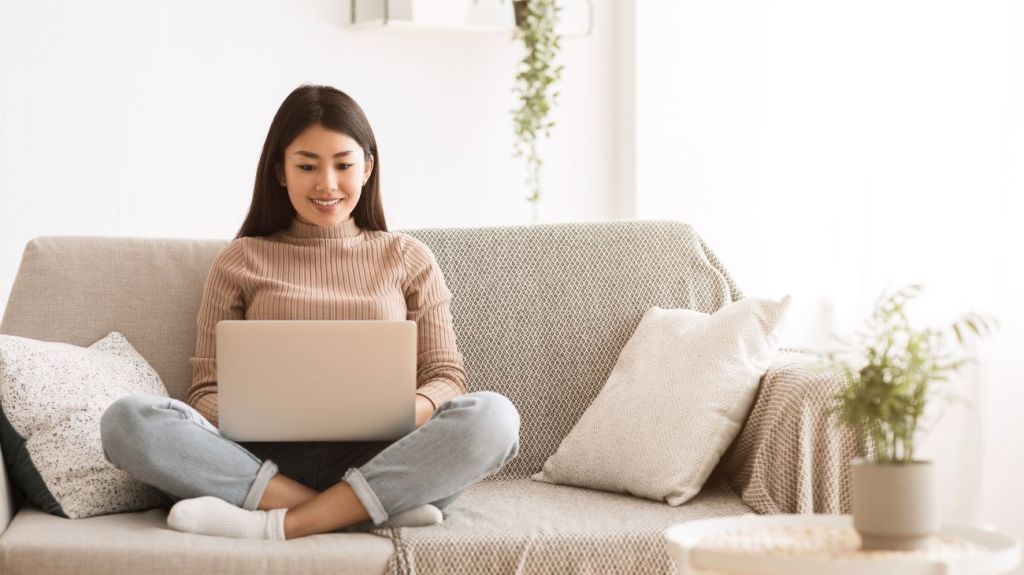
[(332, 202)]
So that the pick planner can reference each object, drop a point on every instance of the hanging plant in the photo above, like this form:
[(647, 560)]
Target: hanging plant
[(535, 26)]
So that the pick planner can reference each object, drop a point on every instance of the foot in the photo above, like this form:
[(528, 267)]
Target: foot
[(213, 516), (421, 516)]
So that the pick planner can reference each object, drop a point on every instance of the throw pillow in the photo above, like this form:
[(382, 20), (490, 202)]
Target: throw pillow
[(676, 398), (52, 396)]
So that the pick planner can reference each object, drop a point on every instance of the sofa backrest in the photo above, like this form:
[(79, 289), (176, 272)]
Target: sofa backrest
[(540, 312)]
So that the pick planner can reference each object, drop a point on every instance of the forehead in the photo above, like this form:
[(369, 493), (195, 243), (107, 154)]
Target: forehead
[(317, 138)]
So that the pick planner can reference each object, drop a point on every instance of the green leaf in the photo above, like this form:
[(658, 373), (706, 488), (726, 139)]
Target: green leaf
[(891, 372), (537, 73)]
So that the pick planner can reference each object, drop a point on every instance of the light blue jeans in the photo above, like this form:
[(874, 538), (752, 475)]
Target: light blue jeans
[(166, 443)]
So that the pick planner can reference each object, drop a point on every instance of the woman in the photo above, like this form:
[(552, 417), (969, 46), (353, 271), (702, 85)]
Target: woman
[(315, 246)]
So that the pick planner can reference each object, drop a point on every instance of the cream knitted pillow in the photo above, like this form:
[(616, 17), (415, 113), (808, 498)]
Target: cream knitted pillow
[(52, 396), (676, 398)]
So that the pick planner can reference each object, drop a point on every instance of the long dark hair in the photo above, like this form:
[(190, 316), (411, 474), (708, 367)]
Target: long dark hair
[(271, 210)]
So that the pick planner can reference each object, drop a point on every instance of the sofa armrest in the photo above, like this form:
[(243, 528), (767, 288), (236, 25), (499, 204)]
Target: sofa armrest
[(790, 457), (6, 496)]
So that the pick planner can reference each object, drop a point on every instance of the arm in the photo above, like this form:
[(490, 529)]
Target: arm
[(424, 409), (222, 299), (440, 373), (790, 457)]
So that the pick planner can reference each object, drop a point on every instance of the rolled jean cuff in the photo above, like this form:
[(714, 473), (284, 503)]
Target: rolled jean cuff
[(366, 495), (259, 485)]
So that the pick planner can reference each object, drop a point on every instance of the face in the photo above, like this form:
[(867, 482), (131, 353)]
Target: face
[(326, 165)]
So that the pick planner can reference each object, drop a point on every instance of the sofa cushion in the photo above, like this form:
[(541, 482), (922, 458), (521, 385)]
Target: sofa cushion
[(677, 397), (52, 396), (141, 542), (532, 528)]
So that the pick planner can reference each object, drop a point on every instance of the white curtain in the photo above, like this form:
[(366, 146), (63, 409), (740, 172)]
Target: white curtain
[(827, 150)]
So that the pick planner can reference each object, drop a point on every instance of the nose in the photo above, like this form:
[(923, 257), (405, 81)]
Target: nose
[(329, 180)]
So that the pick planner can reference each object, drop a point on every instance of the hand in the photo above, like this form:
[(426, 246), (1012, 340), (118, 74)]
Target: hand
[(424, 409)]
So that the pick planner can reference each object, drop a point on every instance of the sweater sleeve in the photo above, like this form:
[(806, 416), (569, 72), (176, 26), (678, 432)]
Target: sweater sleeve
[(222, 299), (440, 373)]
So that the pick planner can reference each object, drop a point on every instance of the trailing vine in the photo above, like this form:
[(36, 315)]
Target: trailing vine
[(535, 26)]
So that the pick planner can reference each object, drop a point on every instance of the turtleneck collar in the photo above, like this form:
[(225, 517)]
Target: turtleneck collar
[(346, 229)]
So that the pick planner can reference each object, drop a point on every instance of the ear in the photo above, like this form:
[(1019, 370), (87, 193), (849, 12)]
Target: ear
[(279, 171), (368, 169)]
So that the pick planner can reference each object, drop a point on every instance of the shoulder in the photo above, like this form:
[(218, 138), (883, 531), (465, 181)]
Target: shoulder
[(413, 247), (400, 242), (234, 248), (417, 258), (231, 256), (236, 245)]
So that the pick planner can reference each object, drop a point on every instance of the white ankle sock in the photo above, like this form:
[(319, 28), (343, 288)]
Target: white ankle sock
[(213, 516), (421, 516)]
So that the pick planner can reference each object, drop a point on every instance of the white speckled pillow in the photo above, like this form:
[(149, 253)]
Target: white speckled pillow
[(676, 398), (52, 396)]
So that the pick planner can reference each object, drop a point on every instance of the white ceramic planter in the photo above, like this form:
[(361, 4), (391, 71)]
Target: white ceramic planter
[(895, 505)]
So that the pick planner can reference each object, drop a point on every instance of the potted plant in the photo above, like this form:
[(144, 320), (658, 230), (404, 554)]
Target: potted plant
[(535, 26), (891, 374)]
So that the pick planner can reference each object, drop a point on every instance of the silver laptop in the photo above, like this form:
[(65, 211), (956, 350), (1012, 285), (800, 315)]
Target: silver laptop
[(316, 380)]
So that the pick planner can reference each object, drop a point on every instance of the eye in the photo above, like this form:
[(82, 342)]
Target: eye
[(307, 167), (344, 166)]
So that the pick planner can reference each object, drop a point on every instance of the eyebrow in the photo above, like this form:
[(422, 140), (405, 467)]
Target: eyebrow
[(312, 155)]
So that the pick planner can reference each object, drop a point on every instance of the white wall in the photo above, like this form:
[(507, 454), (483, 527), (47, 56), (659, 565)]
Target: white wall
[(147, 118), (825, 149), (821, 149)]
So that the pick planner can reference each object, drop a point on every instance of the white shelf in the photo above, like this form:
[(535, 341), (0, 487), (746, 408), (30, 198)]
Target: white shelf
[(406, 26), (461, 16)]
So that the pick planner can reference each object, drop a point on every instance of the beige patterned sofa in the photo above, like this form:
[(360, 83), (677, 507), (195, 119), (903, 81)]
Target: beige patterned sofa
[(541, 313)]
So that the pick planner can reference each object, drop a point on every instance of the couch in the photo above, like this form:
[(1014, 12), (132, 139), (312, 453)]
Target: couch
[(540, 313)]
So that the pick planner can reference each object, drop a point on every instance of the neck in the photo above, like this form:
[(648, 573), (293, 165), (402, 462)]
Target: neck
[(343, 229)]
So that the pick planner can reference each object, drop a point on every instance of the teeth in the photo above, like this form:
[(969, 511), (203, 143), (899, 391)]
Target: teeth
[(331, 203)]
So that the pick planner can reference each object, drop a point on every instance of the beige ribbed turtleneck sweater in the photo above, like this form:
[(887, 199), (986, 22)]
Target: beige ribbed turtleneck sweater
[(308, 272)]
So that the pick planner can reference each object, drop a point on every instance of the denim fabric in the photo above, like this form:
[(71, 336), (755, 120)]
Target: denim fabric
[(166, 443)]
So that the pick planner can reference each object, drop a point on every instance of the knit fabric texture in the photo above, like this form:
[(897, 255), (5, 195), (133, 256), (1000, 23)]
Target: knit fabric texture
[(310, 272), (542, 313)]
